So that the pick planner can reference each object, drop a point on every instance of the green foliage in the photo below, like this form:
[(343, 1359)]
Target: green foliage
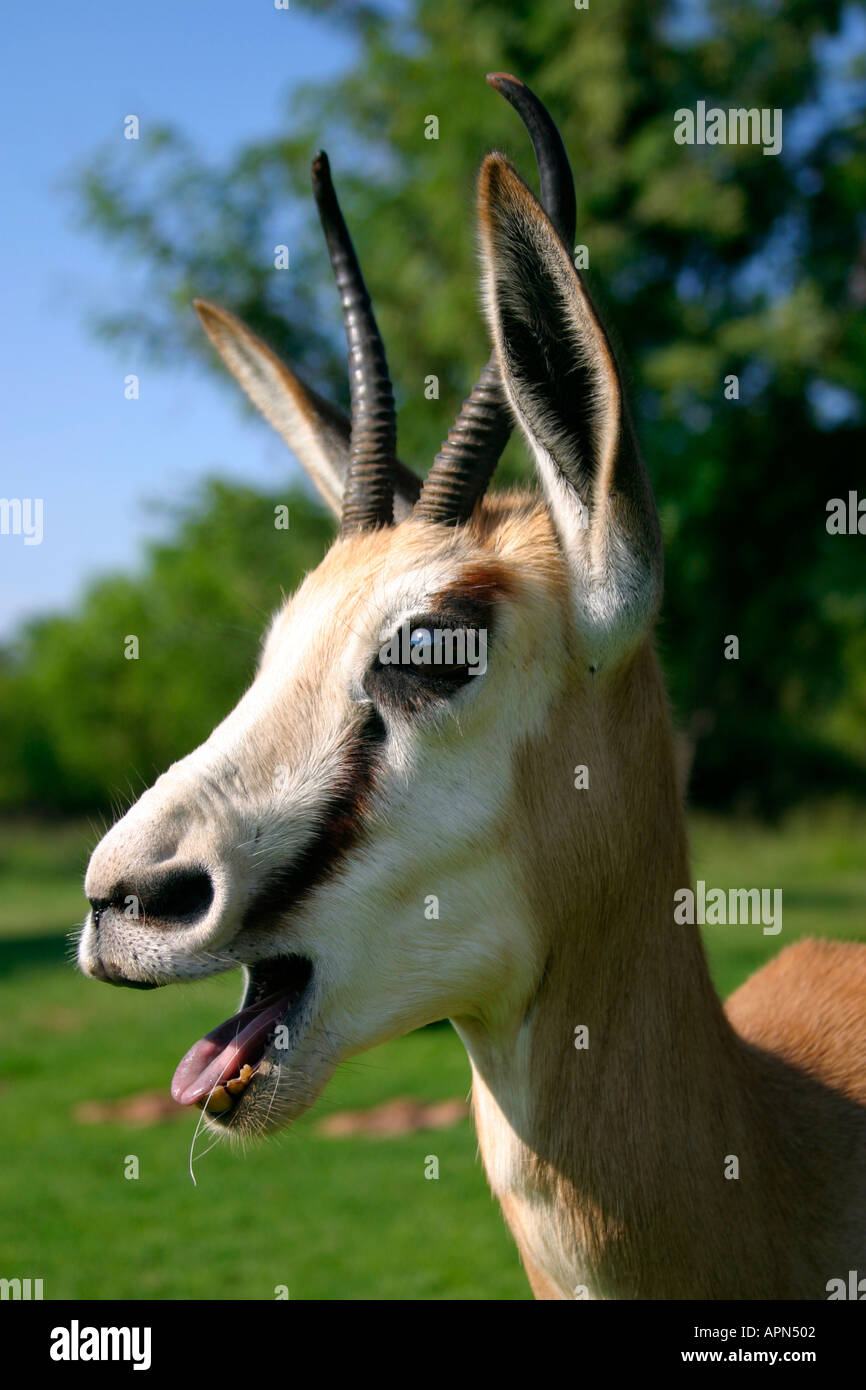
[(85, 719), (707, 261)]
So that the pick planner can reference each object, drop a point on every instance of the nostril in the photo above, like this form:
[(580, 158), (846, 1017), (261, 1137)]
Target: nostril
[(178, 895), (181, 893)]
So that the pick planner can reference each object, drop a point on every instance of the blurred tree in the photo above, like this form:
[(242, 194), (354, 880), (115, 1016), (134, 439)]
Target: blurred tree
[(85, 720), (707, 261)]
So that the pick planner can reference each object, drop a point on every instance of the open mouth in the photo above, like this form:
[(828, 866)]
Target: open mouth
[(220, 1067)]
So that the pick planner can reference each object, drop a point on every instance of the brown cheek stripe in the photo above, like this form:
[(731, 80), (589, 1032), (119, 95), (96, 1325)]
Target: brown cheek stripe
[(340, 829), (341, 825)]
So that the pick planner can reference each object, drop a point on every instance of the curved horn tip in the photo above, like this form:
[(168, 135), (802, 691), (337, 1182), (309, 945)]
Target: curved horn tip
[(498, 80), (320, 166)]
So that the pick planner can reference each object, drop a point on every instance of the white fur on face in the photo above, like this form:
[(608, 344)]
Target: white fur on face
[(246, 802)]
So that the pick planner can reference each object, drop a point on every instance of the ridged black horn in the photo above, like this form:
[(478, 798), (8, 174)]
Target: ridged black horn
[(467, 460), (368, 497), (554, 169)]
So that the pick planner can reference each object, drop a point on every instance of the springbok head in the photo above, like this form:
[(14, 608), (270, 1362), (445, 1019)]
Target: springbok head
[(368, 833)]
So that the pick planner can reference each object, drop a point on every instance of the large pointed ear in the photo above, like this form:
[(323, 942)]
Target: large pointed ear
[(562, 382), (316, 431)]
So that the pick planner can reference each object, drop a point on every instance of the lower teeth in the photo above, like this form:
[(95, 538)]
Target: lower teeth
[(218, 1101), (221, 1098), (240, 1083)]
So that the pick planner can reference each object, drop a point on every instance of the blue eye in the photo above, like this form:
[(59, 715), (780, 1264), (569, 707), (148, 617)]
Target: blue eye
[(420, 637)]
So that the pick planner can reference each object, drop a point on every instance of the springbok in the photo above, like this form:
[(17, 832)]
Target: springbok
[(382, 841)]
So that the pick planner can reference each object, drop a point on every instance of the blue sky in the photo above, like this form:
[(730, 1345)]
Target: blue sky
[(221, 72)]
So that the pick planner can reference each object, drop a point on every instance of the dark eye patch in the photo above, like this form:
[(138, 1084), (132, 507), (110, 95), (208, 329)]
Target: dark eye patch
[(448, 644)]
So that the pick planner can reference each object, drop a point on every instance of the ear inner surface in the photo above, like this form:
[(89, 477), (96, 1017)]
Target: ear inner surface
[(561, 379)]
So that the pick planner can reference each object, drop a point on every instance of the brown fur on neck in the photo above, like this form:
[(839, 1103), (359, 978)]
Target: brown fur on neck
[(619, 1150)]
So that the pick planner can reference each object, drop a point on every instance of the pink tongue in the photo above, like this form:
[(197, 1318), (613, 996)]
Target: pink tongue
[(220, 1056)]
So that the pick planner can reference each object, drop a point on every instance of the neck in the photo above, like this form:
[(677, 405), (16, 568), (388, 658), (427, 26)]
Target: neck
[(607, 1147)]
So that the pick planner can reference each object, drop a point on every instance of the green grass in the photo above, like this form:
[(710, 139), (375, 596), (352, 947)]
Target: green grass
[(818, 859), (329, 1218)]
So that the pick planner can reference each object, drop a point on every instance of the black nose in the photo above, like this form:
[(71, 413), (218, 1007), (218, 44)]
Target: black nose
[(178, 895)]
